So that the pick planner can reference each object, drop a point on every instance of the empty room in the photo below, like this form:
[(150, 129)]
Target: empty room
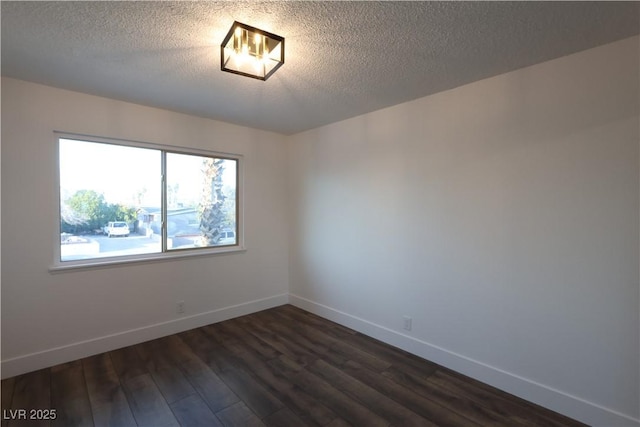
[(295, 213)]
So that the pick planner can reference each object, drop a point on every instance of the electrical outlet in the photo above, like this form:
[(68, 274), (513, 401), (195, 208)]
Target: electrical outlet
[(180, 307), (407, 322)]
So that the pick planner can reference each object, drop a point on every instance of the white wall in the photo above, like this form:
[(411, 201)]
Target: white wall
[(49, 318), (503, 216)]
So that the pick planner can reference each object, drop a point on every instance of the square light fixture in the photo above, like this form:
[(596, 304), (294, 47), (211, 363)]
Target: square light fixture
[(251, 52)]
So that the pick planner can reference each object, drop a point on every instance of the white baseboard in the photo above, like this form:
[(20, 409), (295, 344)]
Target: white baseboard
[(556, 400), (44, 359)]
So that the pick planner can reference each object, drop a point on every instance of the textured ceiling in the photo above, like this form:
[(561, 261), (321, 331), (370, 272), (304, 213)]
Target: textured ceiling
[(342, 58)]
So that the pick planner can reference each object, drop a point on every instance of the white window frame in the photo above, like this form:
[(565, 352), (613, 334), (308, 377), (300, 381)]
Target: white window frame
[(165, 254)]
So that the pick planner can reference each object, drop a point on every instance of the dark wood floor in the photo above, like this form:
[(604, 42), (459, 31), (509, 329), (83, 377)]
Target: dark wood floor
[(279, 367)]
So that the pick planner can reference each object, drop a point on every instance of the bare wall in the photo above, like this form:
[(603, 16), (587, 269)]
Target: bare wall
[(47, 318), (502, 216)]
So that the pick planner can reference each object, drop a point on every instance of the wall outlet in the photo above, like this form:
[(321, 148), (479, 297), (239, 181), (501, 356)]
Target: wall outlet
[(407, 322), (180, 307)]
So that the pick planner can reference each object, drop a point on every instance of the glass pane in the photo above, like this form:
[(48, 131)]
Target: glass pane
[(110, 198), (201, 201)]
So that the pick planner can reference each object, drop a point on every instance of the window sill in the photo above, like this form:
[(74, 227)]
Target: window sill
[(98, 263)]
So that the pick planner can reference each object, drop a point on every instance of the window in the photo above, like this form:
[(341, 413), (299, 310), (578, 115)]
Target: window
[(122, 201)]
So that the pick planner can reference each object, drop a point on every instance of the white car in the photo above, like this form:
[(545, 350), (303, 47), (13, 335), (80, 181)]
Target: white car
[(227, 237), (117, 228)]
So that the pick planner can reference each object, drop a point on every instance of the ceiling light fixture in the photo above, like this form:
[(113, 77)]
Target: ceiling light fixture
[(251, 52)]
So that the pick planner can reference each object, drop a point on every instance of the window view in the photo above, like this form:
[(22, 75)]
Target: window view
[(201, 201), (113, 201)]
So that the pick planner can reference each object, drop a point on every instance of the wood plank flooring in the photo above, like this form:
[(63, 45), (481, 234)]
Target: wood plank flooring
[(278, 367)]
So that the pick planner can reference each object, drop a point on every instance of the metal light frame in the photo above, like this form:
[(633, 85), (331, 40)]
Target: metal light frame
[(245, 46)]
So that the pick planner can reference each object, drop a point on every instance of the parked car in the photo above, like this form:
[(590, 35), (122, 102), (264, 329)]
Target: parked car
[(117, 228), (227, 237)]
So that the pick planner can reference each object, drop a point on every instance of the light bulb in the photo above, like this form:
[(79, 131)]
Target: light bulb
[(237, 39)]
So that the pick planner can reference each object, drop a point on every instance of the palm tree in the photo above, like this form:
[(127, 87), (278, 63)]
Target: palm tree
[(212, 215)]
